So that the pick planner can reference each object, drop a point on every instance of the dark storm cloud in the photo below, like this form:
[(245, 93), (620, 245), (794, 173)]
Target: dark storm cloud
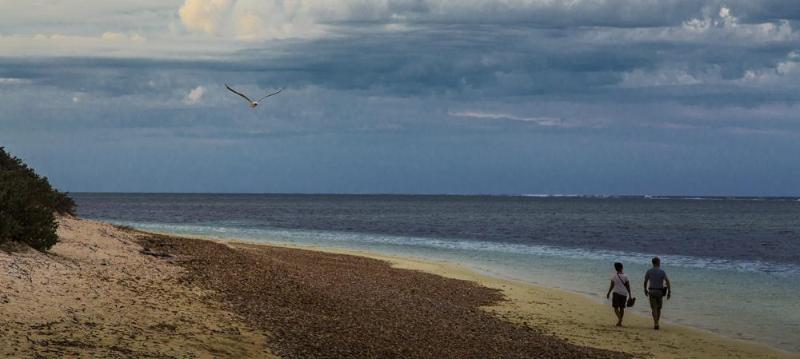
[(450, 64), (647, 90), (559, 14)]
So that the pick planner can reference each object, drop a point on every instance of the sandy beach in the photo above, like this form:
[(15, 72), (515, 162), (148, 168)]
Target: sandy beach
[(96, 295), (581, 320), (106, 291)]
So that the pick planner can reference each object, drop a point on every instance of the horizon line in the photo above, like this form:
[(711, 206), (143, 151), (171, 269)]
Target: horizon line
[(527, 195)]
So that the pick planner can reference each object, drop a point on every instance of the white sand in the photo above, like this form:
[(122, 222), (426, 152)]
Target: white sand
[(94, 295)]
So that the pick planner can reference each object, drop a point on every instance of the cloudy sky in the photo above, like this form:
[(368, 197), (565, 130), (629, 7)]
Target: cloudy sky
[(406, 96)]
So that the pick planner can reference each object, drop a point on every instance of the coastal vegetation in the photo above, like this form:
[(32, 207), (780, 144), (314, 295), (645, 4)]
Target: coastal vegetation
[(28, 204)]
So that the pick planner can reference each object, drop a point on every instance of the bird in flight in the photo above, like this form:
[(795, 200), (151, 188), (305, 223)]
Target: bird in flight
[(252, 103)]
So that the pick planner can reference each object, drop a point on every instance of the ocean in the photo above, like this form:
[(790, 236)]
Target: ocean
[(734, 262)]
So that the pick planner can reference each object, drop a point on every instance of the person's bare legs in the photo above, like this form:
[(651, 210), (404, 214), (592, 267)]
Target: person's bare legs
[(656, 309), (619, 312), (656, 317)]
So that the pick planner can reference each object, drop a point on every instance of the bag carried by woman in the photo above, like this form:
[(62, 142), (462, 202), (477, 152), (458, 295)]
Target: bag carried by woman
[(631, 300)]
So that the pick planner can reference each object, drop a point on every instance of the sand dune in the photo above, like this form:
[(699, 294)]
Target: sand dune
[(95, 295)]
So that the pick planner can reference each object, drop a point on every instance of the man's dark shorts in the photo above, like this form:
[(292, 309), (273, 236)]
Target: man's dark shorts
[(656, 299), (618, 300)]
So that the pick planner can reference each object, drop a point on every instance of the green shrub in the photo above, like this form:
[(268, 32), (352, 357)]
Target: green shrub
[(28, 204)]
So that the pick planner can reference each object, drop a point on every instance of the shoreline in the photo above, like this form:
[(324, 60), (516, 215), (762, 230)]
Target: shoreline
[(322, 304), (589, 322), (108, 290)]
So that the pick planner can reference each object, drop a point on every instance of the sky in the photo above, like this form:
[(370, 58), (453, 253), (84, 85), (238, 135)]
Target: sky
[(601, 97)]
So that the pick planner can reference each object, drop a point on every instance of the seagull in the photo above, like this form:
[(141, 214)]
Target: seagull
[(252, 103)]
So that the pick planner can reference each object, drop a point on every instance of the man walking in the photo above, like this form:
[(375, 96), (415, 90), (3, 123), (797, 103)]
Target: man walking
[(657, 288)]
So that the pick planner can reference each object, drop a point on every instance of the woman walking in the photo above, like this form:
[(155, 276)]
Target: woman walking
[(621, 288)]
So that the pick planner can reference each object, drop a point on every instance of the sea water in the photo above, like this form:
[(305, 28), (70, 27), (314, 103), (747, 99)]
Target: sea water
[(734, 262)]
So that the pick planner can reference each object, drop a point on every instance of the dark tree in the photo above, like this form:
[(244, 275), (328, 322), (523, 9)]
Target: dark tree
[(27, 205)]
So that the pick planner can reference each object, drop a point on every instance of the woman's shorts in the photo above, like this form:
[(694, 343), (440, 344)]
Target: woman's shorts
[(618, 300)]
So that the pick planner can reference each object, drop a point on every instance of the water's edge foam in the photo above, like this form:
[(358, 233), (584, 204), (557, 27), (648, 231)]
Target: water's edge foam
[(776, 269)]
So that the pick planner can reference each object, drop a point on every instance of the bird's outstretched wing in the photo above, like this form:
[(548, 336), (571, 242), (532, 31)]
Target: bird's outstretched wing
[(272, 94), (238, 93)]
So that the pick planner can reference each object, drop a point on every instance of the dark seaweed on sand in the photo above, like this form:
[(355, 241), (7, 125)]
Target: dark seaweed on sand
[(321, 305)]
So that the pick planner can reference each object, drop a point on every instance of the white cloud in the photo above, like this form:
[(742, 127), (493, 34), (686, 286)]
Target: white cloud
[(112, 36), (249, 20), (195, 95), (13, 81), (266, 20), (116, 36), (665, 77), (787, 68), (718, 26), (544, 121), (784, 72), (758, 131), (111, 44), (207, 16), (725, 24)]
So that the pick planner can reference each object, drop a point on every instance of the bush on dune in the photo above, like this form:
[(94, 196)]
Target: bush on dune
[(27, 205)]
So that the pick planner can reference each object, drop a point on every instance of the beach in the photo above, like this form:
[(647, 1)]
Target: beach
[(581, 320), (106, 291), (566, 243), (95, 294)]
